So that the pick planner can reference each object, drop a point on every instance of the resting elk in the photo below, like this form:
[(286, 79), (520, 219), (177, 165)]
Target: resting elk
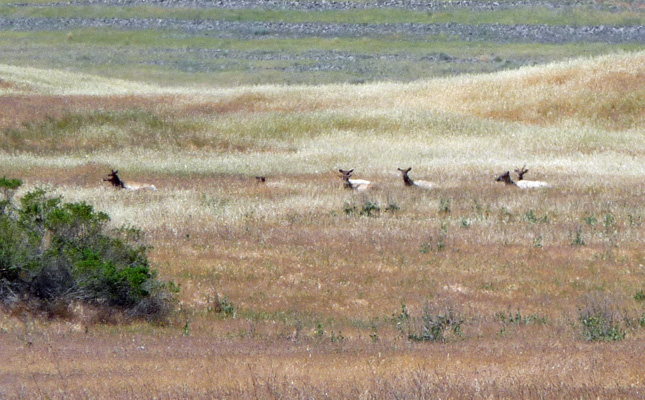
[(522, 184), (116, 181), (355, 184), (409, 182)]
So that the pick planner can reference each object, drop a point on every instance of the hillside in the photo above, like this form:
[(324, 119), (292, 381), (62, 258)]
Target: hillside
[(300, 288)]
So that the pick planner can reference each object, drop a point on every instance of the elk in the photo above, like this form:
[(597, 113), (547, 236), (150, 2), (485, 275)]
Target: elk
[(409, 182), (355, 184), (261, 179), (116, 181), (506, 178), (520, 172)]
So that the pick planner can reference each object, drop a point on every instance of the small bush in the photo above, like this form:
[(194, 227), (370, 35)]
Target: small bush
[(430, 327), (518, 319), (600, 321), (577, 238), (223, 306), (60, 253), (639, 296), (444, 205), (392, 207), (435, 328), (402, 319), (368, 209)]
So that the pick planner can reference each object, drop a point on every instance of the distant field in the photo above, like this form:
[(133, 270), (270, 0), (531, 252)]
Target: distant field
[(337, 294), (197, 44)]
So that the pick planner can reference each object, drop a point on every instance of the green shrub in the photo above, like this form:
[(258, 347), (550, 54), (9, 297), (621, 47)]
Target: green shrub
[(368, 209), (639, 296), (596, 327), (55, 252), (444, 205), (224, 307), (577, 238), (599, 321), (429, 327)]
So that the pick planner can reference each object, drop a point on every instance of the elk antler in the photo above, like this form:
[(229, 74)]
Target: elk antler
[(520, 172)]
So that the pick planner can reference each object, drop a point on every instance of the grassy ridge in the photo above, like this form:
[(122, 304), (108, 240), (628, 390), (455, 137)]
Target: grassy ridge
[(606, 91)]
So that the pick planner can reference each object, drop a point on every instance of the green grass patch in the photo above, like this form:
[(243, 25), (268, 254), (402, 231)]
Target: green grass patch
[(392, 45), (537, 15)]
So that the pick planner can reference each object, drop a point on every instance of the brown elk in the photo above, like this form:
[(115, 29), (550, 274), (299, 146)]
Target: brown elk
[(506, 178), (116, 181), (409, 182), (355, 184)]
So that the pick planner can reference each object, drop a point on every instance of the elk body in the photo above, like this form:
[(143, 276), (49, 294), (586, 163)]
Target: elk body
[(409, 182), (116, 181), (355, 184), (522, 184)]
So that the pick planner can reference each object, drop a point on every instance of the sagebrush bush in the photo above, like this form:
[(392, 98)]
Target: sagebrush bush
[(431, 326), (53, 252), (600, 320)]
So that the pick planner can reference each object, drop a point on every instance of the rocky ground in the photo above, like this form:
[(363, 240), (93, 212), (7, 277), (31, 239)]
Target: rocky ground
[(251, 29), (320, 5)]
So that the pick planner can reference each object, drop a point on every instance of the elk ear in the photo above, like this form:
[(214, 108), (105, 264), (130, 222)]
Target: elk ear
[(409, 169), (401, 169)]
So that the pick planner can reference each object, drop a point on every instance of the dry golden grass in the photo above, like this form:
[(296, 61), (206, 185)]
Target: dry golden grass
[(316, 285)]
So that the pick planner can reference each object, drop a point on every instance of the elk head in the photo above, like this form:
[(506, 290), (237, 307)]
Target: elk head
[(114, 179), (345, 176), (406, 178), (505, 177), (520, 172)]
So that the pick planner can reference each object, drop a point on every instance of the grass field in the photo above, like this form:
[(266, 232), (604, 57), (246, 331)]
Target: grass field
[(299, 288)]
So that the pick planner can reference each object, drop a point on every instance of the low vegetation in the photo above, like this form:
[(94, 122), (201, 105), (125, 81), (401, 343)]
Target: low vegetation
[(53, 254)]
